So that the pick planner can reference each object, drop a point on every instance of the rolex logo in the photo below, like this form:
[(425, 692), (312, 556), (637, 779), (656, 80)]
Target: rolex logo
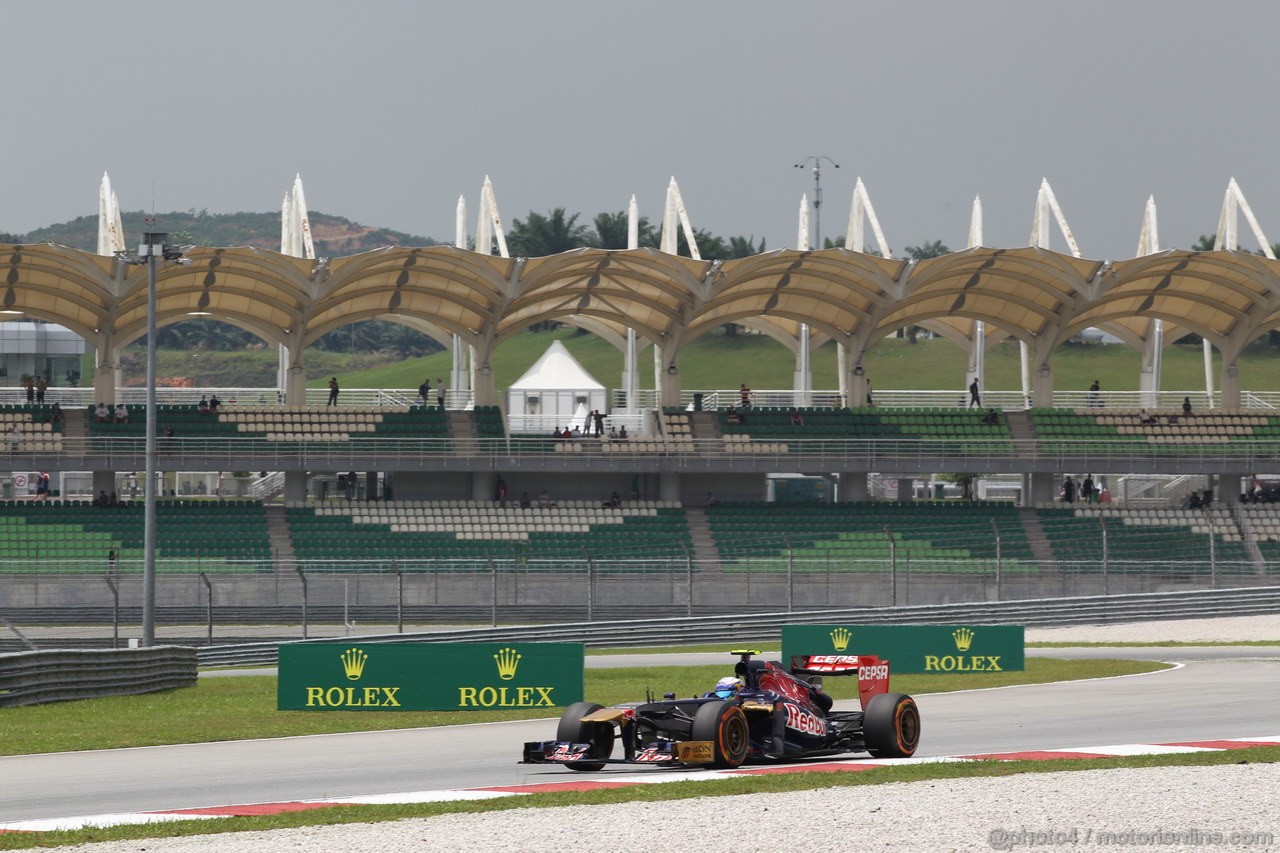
[(840, 638), (353, 661), (963, 638), (508, 659)]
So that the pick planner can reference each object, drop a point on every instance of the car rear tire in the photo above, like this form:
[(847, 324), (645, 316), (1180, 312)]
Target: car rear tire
[(599, 735), (724, 724), (891, 726)]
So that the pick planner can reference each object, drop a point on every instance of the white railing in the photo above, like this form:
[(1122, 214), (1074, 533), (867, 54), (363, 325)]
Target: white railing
[(710, 399)]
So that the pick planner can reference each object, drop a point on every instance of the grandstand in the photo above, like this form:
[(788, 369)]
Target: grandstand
[(692, 481), (77, 536), (1161, 432), (428, 535), (943, 537)]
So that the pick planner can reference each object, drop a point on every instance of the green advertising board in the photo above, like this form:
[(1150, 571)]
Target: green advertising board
[(915, 648), (357, 676)]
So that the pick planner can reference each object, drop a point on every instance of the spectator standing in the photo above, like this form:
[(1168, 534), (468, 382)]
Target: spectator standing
[(55, 414), (974, 398), (333, 391), (41, 387), (744, 396), (440, 389), (1186, 405), (1095, 395), (1087, 492), (42, 486), (111, 563), (203, 406), (599, 419), (870, 402), (500, 492), (1069, 490), (424, 391), (30, 384), (214, 403), (15, 438)]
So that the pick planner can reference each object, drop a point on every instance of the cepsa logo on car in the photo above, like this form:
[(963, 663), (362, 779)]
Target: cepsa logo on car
[(804, 722), (832, 663), (874, 672)]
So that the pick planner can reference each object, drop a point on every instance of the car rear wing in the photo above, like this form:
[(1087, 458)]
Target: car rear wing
[(872, 671)]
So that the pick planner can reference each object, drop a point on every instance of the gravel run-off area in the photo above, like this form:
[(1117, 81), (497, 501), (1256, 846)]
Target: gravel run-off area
[(1228, 807)]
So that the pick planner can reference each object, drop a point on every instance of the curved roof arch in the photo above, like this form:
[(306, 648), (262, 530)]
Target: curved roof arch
[(841, 295)]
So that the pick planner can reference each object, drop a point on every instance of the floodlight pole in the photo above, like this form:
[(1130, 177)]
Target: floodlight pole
[(148, 249), (817, 193), (152, 249)]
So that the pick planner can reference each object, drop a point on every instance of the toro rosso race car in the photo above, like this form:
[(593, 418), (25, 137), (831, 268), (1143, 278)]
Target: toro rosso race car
[(762, 713)]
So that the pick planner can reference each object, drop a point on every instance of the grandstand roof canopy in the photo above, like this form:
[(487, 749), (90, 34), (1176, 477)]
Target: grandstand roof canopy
[(1039, 295)]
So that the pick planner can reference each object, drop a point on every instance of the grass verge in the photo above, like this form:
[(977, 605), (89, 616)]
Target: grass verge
[(243, 707), (763, 784)]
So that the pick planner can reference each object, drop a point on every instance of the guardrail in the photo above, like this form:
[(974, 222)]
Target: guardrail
[(35, 678), (122, 453), (767, 627)]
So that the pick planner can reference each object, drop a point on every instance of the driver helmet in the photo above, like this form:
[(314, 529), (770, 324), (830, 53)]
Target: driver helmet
[(728, 686)]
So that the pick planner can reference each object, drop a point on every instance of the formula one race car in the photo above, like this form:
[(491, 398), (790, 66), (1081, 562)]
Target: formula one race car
[(762, 713)]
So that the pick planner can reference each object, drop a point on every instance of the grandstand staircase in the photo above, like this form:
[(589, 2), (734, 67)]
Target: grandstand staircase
[(705, 424), (1020, 428), (462, 430), (280, 538), (1038, 539), (705, 553), (75, 423)]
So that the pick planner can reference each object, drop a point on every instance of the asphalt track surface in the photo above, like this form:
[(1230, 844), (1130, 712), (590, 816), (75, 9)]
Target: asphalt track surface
[(1218, 692)]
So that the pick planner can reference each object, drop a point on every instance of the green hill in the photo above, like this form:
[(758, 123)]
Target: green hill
[(334, 236)]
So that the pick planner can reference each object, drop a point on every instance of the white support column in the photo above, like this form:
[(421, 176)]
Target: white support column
[(853, 382), (1046, 204), (296, 242), (862, 212), (1149, 380), (978, 352), (1208, 371), (110, 232), (802, 381), (460, 368), (1233, 204), (630, 367)]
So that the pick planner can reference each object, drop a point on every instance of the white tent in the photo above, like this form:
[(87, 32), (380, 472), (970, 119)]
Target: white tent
[(555, 392)]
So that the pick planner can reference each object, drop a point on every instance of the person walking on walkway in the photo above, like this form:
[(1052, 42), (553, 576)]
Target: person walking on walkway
[(974, 399)]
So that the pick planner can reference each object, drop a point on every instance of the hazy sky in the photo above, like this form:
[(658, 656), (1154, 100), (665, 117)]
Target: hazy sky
[(390, 110)]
